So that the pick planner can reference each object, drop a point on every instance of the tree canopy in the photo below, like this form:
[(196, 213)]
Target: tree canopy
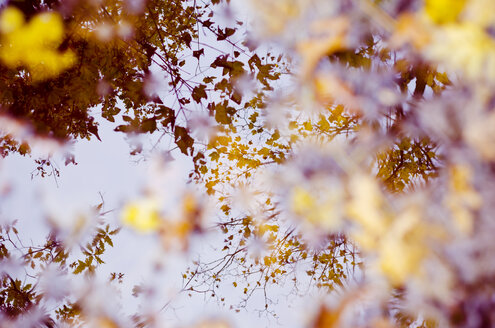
[(344, 146)]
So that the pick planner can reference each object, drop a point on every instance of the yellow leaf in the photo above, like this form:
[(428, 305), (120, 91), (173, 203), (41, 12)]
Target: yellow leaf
[(444, 11), (308, 126), (301, 200), (323, 123), (34, 45), (142, 215)]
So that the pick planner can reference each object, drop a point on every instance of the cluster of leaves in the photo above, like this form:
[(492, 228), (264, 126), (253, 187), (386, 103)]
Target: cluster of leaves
[(255, 143), (118, 48), (369, 82), (24, 289)]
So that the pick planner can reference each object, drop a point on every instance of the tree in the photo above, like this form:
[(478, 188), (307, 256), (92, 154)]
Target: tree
[(60, 60), (379, 151), (45, 266), (113, 48), (368, 169)]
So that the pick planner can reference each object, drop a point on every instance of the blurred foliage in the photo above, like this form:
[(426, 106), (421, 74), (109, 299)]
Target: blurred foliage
[(44, 266), (355, 155)]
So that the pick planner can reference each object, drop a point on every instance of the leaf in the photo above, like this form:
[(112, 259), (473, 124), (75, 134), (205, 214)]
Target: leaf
[(222, 114), (80, 267), (215, 156), (108, 240), (222, 35), (183, 140), (323, 123), (142, 215), (444, 11), (198, 53), (207, 23), (148, 125), (199, 92), (186, 38), (168, 116)]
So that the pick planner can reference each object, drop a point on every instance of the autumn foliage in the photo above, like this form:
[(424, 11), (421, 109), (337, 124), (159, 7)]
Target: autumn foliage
[(338, 146)]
